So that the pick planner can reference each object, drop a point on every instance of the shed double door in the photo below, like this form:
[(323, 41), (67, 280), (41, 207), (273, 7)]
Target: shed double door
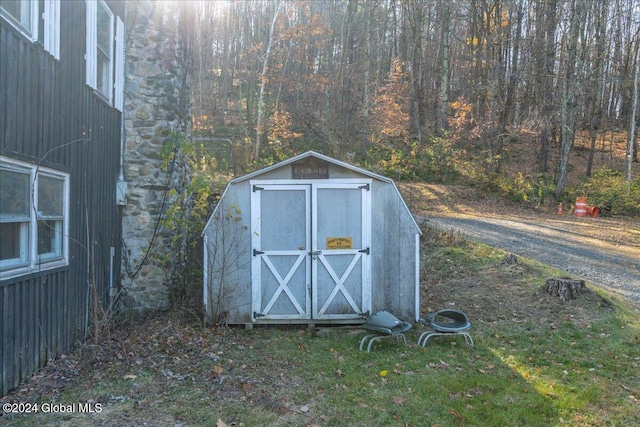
[(311, 250)]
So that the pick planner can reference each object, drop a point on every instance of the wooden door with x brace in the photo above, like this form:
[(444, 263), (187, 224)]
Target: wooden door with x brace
[(311, 249)]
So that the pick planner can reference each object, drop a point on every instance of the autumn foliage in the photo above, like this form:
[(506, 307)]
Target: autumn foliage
[(389, 115)]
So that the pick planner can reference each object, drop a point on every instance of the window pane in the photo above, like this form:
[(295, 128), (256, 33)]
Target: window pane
[(104, 26), (11, 240), (14, 194), (49, 237), (104, 73), (19, 10), (50, 196), (12, 7)]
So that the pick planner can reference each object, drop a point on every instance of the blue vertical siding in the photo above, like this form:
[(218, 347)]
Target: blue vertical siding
[(44, 105)]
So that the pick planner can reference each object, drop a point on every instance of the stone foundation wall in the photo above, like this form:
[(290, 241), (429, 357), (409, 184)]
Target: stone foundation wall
[(156, 101)]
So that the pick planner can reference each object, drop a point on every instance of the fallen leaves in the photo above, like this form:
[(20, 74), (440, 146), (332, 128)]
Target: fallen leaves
[(217, 371), (456, 414), (398, 400), (441, 365), (487, 369)]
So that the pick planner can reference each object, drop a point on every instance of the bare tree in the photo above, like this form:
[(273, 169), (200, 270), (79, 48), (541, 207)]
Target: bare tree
[(263, 83), (595, 86), (570, 87), (631, 145), (446, 69), (547, 47)]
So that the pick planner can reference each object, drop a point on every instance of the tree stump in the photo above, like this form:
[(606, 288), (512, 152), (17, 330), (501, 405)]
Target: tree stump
[(564, 287), (510, 259)]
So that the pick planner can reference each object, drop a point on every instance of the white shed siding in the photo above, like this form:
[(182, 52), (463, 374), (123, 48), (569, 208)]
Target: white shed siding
[(393, 253), (228, 248)]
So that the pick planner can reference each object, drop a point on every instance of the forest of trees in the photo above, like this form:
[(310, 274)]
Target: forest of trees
[(364, 79)]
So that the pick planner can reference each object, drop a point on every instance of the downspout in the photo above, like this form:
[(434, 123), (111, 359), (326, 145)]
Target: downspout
[(121, 186)]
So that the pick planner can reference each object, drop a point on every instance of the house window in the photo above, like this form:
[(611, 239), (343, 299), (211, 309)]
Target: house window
[(23, 15), (105, 52), (33, 218)]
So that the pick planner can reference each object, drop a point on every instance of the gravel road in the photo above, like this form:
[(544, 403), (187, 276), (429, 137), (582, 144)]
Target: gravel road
[(581, 256)]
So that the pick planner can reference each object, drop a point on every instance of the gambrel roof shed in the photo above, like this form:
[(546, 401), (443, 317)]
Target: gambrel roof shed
[(310, 240)]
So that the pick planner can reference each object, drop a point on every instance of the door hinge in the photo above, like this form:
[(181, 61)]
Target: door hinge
[(256, 188), (364, 187), (258, 315), (364, 251), (257, 252)]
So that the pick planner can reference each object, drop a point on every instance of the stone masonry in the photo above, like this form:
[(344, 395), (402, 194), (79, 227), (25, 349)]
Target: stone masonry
[(156, 101)]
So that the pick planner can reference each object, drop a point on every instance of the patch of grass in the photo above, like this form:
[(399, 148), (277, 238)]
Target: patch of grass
[(536, 362)]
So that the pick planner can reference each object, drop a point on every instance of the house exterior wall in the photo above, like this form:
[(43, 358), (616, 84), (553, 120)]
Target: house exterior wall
[(156, 103), (50, 117)]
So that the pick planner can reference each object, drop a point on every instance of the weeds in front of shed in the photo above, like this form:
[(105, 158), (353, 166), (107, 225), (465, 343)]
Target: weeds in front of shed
[(536, 362)]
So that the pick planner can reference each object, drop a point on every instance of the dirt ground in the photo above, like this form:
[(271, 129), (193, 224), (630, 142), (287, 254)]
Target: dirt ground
[(461, 201)]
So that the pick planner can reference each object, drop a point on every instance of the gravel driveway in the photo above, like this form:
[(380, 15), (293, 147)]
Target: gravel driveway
[(593, 260)]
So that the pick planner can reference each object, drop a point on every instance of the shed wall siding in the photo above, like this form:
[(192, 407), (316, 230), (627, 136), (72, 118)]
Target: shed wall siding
[(394, 253), (229, 249), (285, 172)]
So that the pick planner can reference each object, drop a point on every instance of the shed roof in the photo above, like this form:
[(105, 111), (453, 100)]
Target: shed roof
[(310, 153), (328, 159)]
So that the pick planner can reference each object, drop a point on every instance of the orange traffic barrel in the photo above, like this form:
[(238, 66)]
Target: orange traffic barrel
[(581, 206), (593, 211)]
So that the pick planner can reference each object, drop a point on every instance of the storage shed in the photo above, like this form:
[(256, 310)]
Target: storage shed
[(310, 240)]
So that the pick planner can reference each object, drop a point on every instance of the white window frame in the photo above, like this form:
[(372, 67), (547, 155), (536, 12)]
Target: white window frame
[(30, 261), (30, 28), (119, 66), (113, 93), (50, 18)]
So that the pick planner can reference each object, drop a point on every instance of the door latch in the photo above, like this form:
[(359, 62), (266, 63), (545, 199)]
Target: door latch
[(314, 254)]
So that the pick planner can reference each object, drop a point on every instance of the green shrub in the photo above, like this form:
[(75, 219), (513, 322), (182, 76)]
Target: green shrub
[(435, 162), (607, 188), (532, 190)]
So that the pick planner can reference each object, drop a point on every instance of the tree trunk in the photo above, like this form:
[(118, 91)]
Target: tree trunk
[(512, 86), (596, 89), (444, 80), (569, 95), (631, 152), (263, 83), (364, 144), (548, 46)]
